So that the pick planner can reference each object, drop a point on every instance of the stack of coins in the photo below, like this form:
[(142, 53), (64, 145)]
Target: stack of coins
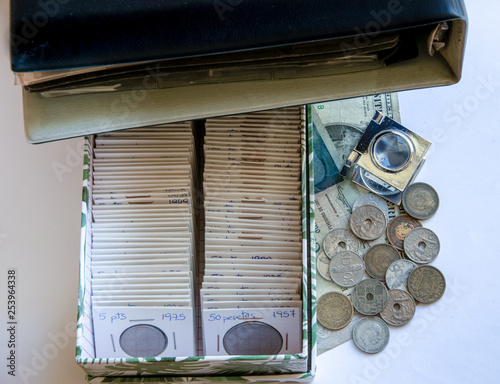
[(398, 274)]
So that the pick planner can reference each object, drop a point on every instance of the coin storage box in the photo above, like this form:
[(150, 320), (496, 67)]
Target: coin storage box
[(100, 348)]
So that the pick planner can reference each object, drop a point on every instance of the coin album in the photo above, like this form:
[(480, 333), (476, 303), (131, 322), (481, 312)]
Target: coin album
[(196, 251)]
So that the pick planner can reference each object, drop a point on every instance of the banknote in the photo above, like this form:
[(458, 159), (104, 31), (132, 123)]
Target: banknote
[(337, 127), (333, 209)]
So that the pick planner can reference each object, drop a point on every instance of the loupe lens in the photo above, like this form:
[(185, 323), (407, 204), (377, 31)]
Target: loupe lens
[(392, 152)]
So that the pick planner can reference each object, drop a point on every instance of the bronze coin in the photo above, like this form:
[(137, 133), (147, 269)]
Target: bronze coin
[(420, 200), (334, 310), (426, 284), (378, 259), (399, 227)]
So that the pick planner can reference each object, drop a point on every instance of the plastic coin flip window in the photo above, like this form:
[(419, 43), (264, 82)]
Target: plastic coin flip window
[(143, 340), (386, 159), (253, 338)]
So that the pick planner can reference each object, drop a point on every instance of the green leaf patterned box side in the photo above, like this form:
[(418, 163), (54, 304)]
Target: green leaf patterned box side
[(290, 378)]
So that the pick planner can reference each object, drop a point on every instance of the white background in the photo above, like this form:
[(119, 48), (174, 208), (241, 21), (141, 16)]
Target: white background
[(452, 341)]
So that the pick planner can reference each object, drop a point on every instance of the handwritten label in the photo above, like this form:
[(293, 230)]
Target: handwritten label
[(238, 317), (103, 316), (173, 316), (283, 314)]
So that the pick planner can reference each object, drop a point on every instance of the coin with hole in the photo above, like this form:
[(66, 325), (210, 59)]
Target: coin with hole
[(339, 240), (400, 308), (421, 245), (397, 274), (369, 297), (368, 222)]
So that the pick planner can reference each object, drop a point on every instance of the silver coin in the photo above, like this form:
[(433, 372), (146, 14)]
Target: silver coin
[(371, 334), (143, 340), (378, 258), (339, 240), (421, 245), (368, 222), (420, 200), (369, 297), (397, 274), (347, 268), (400, 308), (372, 199), (252, 338), (323, 267)]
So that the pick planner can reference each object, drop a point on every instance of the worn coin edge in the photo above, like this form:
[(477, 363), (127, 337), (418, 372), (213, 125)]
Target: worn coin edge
[(366, 238), (379, 245), (422, 262), (426, 266), (407, 321), (387, 230), (403, 200), (336, 294), (354, 296)]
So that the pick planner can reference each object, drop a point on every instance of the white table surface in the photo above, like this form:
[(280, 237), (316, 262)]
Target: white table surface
[(452, 341)]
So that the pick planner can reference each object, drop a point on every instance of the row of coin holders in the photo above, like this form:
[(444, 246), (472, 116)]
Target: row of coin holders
[(251, 303), (144, 239), (143, 242)]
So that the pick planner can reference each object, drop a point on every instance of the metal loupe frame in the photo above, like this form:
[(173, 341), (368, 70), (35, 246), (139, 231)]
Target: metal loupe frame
[(362, 158)]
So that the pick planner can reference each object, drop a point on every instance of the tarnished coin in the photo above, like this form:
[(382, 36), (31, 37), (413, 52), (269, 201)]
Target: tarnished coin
[(252, 338), (369, 297), (339, 240), (347, 268), (420, 200), (143, 340), (397, 274), (421, 245), (323, 266), (334, 310), (398, 228), (378, 258), (426, 284), (400, 308), (372, 199), (371, 334), (368, 222)]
